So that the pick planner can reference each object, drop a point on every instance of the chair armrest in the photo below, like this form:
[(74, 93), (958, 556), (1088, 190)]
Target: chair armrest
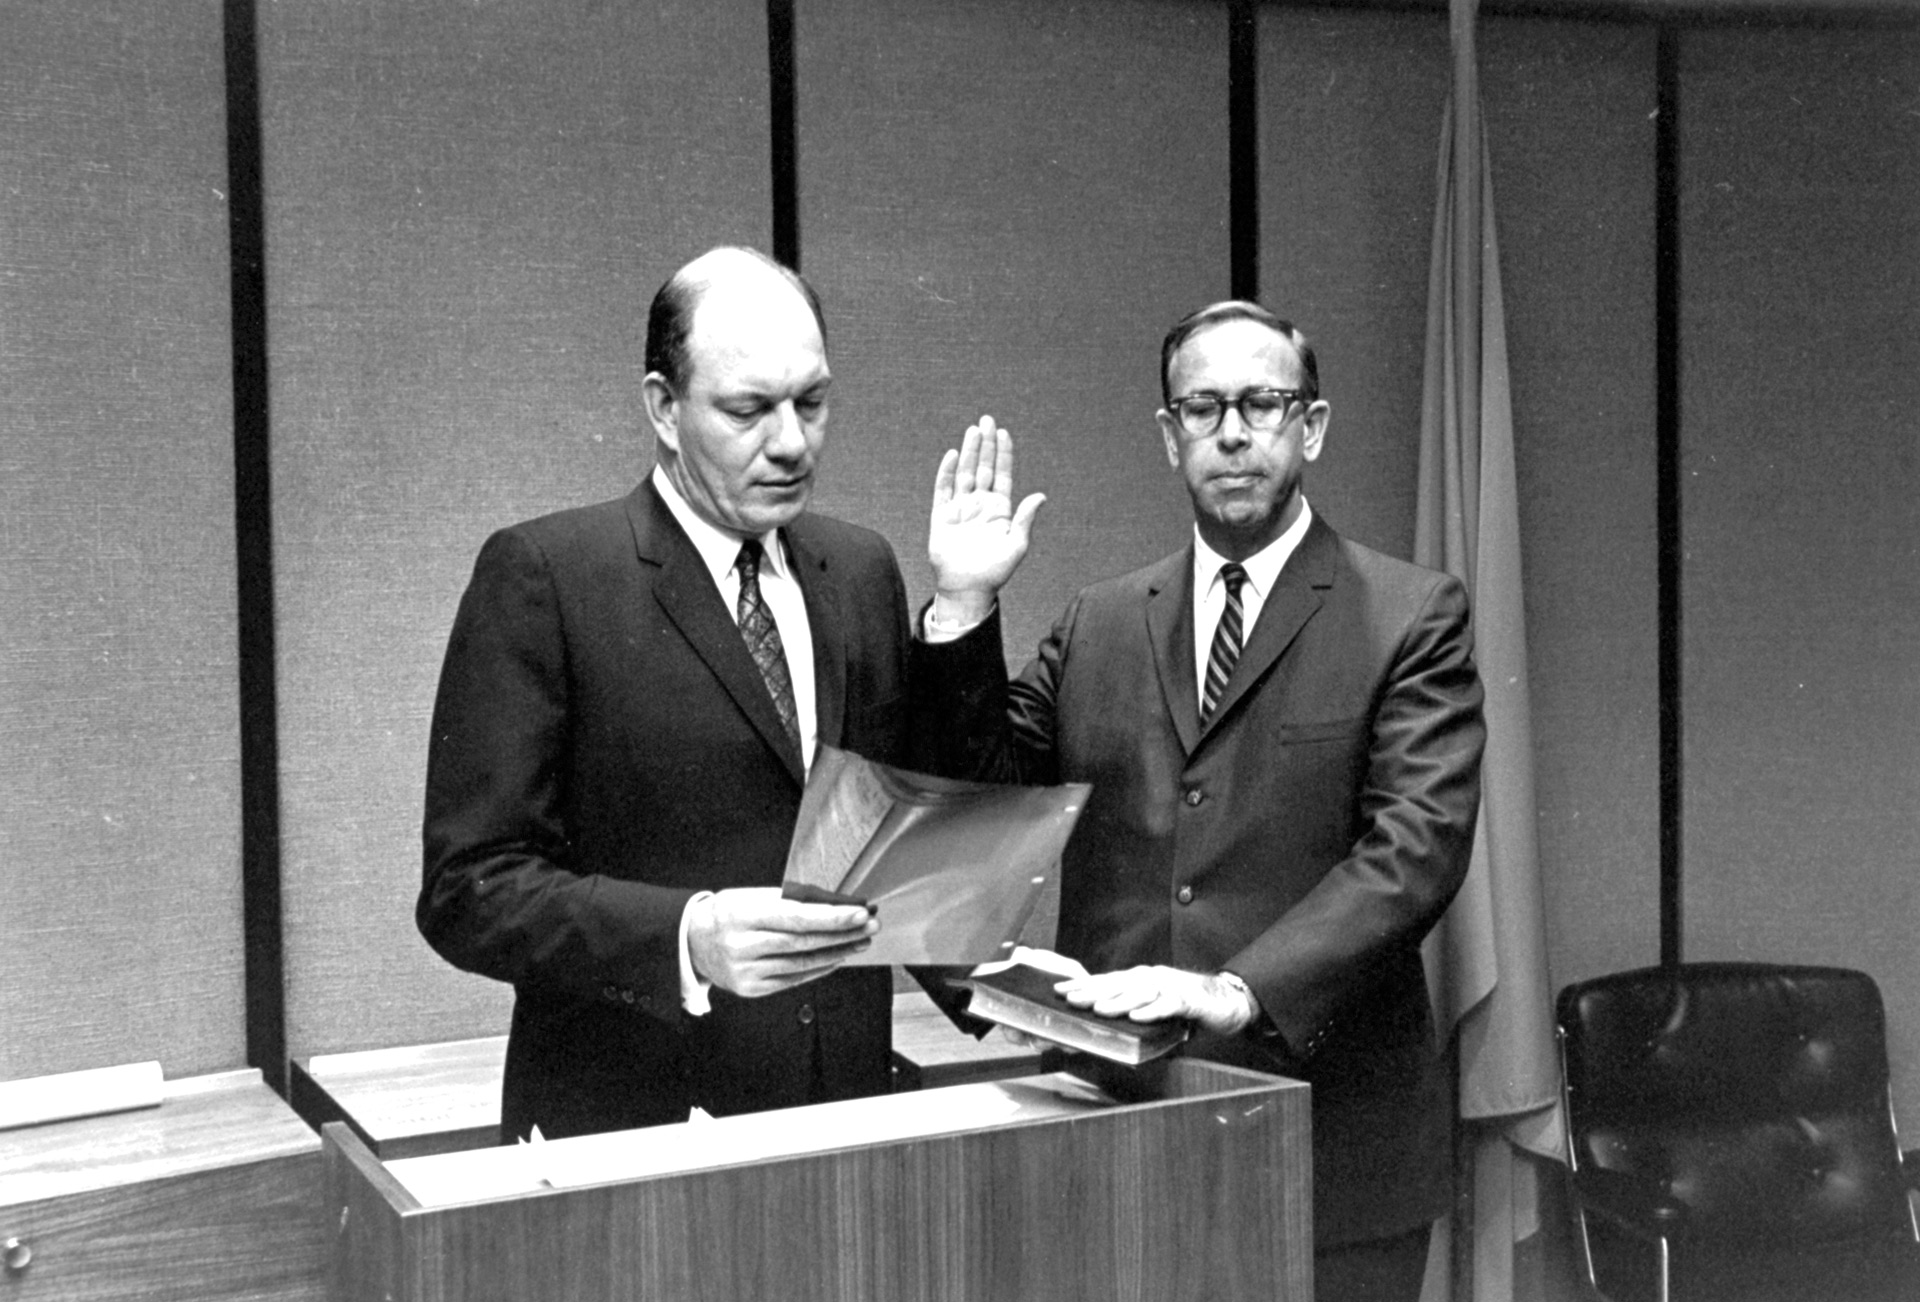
[(1633, 1202)]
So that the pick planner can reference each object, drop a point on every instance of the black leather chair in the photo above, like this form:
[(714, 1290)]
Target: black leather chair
[(1731, 1136)]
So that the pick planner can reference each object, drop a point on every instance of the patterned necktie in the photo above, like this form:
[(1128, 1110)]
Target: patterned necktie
[(1226, 641), (763, 641)]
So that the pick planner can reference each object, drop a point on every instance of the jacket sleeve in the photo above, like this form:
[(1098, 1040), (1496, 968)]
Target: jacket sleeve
[(989, 729), (1414, 823), (499, 895)]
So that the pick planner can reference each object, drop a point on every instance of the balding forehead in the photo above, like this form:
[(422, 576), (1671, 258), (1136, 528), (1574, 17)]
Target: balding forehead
[(1257, 339)]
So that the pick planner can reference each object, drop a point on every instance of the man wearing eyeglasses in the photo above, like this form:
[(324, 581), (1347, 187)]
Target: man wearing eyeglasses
[(1283, 733)]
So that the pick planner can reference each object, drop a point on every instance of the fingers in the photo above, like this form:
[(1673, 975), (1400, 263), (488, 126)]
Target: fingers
[(943, 478), (1002, 461), (754, 942), (1145, 994), (967, 468), (765, 908), (985, 463)]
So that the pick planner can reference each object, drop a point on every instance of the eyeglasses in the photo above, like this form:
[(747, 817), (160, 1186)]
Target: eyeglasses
[(1261, 410)]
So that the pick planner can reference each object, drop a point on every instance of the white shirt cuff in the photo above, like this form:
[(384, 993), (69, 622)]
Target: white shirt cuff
[(695, 996), (935, 632)]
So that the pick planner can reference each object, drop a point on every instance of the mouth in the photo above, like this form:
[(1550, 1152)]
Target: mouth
[(1237, 479)]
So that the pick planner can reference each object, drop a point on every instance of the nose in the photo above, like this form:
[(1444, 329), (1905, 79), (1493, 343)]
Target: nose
[(787, 439), (1233, 431)]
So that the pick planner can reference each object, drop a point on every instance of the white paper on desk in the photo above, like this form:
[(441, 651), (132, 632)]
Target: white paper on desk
[(954, 868)]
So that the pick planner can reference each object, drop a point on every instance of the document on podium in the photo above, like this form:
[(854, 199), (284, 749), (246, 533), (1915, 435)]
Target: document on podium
[(953, 868)]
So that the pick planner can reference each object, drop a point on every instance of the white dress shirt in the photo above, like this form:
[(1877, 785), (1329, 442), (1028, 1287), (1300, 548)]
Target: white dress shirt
[(1210, 592), (720, 551)]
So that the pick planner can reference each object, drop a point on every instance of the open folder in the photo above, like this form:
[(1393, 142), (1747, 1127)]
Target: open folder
[(954, 868)]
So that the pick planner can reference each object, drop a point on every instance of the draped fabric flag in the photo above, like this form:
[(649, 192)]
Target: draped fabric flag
[(1487, 959)]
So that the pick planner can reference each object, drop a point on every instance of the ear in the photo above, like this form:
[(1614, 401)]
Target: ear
[(1314, 430), (663, 410), (1170, 435)]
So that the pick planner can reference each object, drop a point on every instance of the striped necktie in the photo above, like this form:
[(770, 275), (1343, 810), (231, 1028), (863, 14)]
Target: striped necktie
[(1226, 641), (763, 641)]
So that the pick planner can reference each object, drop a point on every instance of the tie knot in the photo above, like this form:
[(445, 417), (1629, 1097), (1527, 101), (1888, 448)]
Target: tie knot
[(749, 562), (1233, 574)]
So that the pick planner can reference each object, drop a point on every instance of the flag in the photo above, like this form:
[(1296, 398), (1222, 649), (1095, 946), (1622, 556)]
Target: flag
[(1486, 961)]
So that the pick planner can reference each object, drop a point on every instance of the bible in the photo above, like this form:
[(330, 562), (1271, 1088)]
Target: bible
[(1023, 998)]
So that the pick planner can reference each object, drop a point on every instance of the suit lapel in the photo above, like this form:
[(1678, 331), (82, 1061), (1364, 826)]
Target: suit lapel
[(685, 592), (1296, 595), (1170, 633), (827, 621)]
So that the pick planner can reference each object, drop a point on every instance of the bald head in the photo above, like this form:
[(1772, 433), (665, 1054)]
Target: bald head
[(742, 274)]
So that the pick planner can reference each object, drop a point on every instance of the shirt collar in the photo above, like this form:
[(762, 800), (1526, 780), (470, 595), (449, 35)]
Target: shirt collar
[(1263, 567), (719, 549)]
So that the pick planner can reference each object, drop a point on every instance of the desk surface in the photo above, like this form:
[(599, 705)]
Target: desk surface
[(437, 1098), (929, 1051), (203, 1123), (410, 1100)]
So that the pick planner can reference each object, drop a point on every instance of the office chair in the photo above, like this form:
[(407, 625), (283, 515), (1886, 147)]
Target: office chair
[(1731, 1136)]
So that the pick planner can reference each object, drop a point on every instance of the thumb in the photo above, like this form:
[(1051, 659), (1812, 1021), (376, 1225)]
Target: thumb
[(1022, 524)]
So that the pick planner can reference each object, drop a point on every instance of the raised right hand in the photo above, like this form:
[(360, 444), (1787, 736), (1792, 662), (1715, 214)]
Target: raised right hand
[(752, 941), (976, 538)]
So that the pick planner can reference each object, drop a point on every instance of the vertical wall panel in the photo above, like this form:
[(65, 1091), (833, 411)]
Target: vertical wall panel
[(469, 207), (1004, 206), (1570, 139), (119, 776), (1350, 109), (1800, 238)]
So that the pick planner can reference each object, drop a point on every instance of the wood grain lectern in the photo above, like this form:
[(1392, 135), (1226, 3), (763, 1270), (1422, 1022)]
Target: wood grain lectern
[(1184, 1180)]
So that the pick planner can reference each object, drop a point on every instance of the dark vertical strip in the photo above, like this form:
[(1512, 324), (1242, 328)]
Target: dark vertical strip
[(266, 992), (1243, 149), (786, 141), (1667, 511)]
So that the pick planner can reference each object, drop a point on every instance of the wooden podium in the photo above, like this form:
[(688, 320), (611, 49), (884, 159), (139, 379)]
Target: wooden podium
[(1184, 1179), (216, 1193)]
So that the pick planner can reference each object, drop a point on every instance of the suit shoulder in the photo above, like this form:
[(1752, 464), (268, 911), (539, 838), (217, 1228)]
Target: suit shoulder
[(1135, 585), (574, 522), (839, 540), (1392, 574)]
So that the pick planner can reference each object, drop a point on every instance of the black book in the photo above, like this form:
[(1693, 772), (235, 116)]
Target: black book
[(1023, 998)]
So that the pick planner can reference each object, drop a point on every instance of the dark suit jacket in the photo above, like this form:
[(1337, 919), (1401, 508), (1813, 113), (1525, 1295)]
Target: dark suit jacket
[(603, 746), (1307, 839)]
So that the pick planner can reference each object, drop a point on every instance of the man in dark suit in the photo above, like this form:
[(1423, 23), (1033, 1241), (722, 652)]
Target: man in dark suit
[(630, 697), (1283, 733)]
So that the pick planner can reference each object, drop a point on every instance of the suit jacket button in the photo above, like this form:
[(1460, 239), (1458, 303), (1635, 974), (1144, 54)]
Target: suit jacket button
[(1184, 895), (806, 1014), (1195, 796), (626, 996), (610, 992)]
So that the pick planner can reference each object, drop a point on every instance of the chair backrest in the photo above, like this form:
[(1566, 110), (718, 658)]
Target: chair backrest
[(1753, 1094)]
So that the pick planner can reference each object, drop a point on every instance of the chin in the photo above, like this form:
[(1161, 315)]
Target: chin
[(776, 515)]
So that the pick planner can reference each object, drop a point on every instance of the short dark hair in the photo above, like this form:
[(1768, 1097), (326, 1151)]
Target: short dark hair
[(1236, 309), (670, 318)]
